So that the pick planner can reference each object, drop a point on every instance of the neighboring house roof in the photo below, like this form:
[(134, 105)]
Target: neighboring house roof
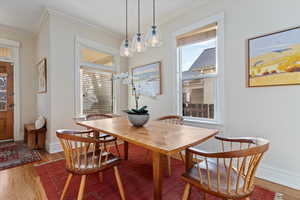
[(206, 59), (189, 75)]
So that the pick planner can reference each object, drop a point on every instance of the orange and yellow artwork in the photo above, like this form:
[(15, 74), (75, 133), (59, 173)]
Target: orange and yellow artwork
[(274, 59)]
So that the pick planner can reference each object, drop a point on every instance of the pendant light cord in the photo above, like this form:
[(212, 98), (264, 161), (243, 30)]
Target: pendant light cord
[(154, 13), (139, 16), (126, 19)]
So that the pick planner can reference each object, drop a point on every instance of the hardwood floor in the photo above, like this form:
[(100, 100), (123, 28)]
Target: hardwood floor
[(22, 183), (288, 193)]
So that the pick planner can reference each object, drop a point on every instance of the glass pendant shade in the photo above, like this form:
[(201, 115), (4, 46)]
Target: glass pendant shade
[(138, 43), (153, 37), (125, 49)]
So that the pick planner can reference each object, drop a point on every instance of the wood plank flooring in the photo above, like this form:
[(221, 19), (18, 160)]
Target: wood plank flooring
[(22, 183)]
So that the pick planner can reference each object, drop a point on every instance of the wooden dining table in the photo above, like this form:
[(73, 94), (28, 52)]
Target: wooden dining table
[(161, 138)]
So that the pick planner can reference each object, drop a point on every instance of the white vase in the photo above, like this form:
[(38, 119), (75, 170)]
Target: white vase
[(138, 120), (40, 122)]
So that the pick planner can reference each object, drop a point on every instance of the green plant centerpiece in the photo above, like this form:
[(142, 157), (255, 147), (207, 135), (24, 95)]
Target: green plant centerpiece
[(142, 111)]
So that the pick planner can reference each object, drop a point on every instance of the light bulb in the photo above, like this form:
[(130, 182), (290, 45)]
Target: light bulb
[(126, 52), (125, 49), (138, 43), (139, 46)]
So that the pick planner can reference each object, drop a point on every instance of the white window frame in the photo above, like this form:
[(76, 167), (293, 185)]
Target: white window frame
[(115, 68), (219, 86), (15, 60)]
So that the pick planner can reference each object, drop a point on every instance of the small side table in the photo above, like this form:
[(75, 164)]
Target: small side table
[(35, 138)]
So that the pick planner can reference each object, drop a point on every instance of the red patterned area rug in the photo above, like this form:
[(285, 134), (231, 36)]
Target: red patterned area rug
[(14, 154), (136, 174)]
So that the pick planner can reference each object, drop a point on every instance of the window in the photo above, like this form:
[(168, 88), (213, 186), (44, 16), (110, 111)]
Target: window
[(199, 73), (96, 89)]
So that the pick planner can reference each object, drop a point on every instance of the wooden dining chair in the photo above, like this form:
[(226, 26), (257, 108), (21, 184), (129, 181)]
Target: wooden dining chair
[(228, 173), (103, 136), (172, 119), (84, 157)]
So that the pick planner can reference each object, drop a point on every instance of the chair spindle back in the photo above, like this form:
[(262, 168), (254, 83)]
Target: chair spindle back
[(172, 119), (82, 152), (235, 165)]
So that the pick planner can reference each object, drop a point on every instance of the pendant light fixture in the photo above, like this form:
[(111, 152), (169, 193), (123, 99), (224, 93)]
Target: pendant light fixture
[(125, 49), (153, 36), (138, 42)]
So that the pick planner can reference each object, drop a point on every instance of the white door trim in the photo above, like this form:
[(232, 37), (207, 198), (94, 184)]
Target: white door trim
[(15, 46)]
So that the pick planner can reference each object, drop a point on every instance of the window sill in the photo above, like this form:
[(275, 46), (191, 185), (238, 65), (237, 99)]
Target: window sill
[(195, 121)]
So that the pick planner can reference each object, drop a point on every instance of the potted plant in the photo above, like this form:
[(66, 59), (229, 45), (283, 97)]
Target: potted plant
[(137, 116)]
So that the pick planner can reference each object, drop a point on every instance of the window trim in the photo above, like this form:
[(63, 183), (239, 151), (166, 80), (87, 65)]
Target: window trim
[(219, 90), (115, 68)]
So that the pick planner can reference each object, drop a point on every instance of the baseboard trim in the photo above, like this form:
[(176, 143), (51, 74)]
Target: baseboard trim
[(54, 147), (279, 176)]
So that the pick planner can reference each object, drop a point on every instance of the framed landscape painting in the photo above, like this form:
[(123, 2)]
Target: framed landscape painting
[(147, 79), (42, 76), (274, 59)]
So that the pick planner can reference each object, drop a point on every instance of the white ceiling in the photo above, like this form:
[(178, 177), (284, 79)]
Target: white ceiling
[(26, 14)]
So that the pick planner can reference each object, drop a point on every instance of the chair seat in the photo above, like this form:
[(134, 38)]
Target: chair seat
[(107, 137), (192, 176), (95, 167)]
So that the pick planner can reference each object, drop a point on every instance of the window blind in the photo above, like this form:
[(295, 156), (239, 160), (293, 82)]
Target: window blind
[(96, 91), (5, 52), (199, 35)]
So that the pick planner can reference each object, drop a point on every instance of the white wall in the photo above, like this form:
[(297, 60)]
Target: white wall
[(63, 31), (42, 51), (27, 72), (269, 112)]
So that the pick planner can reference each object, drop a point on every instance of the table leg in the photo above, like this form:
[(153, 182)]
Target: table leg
[(188, 165), (97, 137), (125, 150), (188, 159), (158, 165)]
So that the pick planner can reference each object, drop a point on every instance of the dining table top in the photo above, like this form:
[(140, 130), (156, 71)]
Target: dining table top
[(155, 135)]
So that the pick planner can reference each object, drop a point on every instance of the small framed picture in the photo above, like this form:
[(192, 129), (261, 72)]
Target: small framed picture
[(42, 76)]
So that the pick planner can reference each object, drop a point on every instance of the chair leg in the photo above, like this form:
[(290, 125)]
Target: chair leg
[(81, 188), (117, 148), (182, 157), (101, 177), (248, 198), (105, 147), (147, 154), (66, 186), (119, 182), (187, 191), (205, 196), (169, 166)]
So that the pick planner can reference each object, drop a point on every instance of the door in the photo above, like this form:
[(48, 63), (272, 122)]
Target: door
[(6, 101)]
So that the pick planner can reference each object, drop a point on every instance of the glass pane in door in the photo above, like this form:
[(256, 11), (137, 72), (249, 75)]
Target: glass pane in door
[(3, 92)]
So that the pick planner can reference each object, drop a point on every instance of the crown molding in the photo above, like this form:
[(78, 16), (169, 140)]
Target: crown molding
[(43, 18), (114, 34)]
